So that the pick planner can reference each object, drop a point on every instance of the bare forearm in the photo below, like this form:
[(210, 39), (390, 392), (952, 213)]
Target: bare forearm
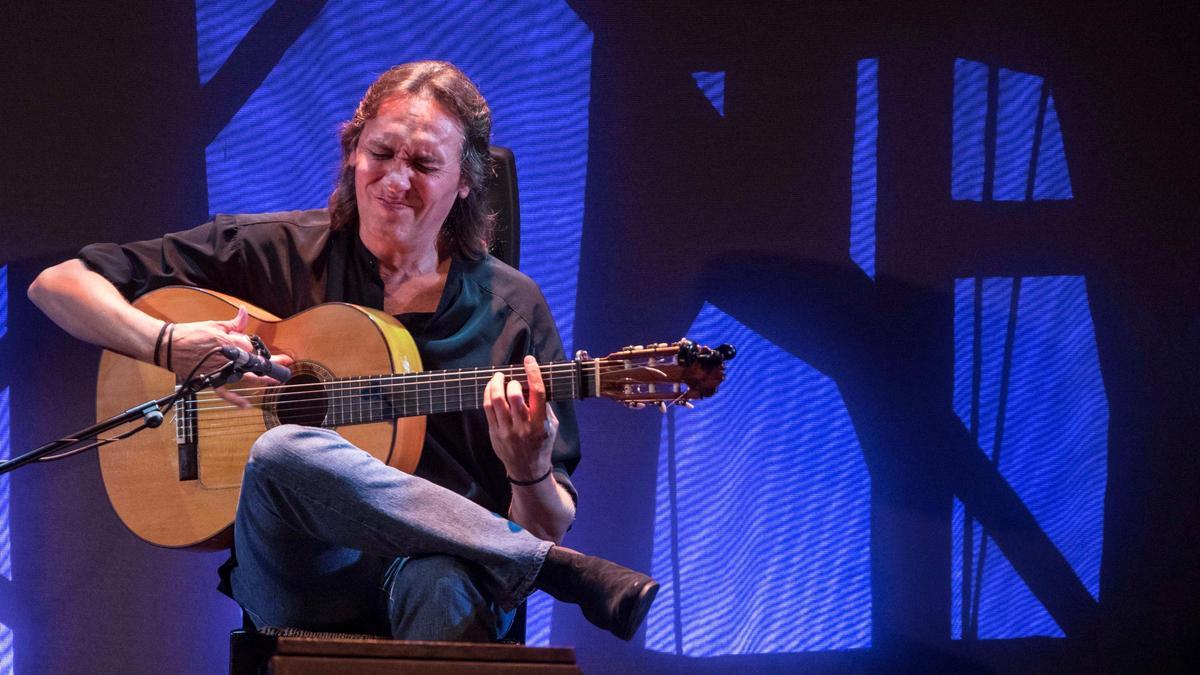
[(90, 308), (545, 509)]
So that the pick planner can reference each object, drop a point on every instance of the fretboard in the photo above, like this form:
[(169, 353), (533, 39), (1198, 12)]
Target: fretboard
[(377, 398)]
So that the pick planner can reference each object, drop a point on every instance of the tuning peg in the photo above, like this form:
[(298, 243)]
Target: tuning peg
[(688, 351), (727, 351)]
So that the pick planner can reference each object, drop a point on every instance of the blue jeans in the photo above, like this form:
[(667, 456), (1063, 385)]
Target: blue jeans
[(330, 538)]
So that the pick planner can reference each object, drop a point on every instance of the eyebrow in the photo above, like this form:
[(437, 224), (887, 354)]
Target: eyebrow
[(381, 143)]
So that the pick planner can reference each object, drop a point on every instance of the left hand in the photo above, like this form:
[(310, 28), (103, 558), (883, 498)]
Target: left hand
[(522, 432)]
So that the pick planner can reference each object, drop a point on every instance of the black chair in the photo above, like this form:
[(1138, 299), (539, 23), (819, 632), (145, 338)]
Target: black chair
[(251, 650)]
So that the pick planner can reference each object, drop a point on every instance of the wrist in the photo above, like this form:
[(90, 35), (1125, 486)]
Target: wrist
[(534, 479)]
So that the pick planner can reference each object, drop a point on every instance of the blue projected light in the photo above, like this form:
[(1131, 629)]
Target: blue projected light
[(220, 25), (775, 555), (1052, 422), (3, 300), (970, 119), (532, 61), (863, 182), (713, 86), (280, 150), (1053, 180), (6, 635), (1015, 175), (5, 449)]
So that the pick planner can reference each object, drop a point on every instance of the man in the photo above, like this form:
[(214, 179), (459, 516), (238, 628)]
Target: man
[(327, 537)]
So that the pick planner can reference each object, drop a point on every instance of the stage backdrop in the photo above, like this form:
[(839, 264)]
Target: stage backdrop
[(951, 249)]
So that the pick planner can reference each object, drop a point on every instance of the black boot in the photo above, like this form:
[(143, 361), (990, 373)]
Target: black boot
[(612, 597)]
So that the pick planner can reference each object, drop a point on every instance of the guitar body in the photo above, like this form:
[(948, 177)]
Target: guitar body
[(143, 473)]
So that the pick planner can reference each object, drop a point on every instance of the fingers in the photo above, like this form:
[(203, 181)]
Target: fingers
[(537, 391), (516, 402), (232, 397), (238, 323), (494, 404)]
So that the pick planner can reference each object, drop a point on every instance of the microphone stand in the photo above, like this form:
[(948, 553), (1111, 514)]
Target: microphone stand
[(151, 413)]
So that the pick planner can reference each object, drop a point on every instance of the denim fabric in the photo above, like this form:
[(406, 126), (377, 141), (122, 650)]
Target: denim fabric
[(321, 523), (438, 598)]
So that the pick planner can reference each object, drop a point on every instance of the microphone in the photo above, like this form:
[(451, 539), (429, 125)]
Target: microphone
[(245, 362)]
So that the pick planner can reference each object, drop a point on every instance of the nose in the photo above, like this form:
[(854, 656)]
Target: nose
[(398, 178)]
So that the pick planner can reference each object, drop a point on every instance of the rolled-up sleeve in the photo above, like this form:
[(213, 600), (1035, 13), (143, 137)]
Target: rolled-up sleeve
[(203, 256)]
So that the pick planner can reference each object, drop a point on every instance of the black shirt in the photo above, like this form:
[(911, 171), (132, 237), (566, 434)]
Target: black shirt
[(489, 314)]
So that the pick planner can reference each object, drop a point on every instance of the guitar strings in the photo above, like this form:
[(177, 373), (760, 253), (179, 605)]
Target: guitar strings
[(349, 393), (443, 400), (447, 376), (231, 420), (396, 384), (235, 418)]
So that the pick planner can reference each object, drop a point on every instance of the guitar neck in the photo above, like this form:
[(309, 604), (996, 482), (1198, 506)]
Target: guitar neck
[(377, 398)]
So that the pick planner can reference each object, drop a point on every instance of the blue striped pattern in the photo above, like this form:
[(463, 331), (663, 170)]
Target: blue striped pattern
[(1053, 180), (1016, 116), (1016, 126), (532, 60), (5, 449), (713, 86), (1055, 447), (6, 635), (220, 25), (863, 167), (539, 609), (3, 301), (970, 117), (768, 513)]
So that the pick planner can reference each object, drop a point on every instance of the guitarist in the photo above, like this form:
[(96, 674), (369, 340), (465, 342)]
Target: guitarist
[(326, 536)]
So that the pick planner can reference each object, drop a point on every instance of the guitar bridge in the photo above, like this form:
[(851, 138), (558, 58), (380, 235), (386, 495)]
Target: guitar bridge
[(185, 437)]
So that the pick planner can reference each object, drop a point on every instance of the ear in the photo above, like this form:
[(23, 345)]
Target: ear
[(463, 189)]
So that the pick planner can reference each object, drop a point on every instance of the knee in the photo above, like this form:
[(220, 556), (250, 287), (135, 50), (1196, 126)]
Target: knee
[(278, 445)]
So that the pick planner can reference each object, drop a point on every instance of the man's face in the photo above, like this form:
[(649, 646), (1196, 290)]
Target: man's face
[(407, 174)]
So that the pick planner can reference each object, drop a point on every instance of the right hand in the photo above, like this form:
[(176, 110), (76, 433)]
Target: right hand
[(191, 341)]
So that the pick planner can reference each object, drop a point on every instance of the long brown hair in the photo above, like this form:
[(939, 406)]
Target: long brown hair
[(468, 228)]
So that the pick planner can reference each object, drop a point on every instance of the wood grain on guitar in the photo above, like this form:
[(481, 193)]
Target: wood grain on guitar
[(357, 371)]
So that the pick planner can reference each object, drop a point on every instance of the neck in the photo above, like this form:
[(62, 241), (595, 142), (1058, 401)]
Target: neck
[(402, 257)]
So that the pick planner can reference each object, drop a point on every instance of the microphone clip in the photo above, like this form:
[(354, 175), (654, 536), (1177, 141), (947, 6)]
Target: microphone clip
[(236, 369)]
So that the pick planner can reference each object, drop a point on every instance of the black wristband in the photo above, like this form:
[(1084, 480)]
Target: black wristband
[(158, 343), (535, 481), (170, 340)]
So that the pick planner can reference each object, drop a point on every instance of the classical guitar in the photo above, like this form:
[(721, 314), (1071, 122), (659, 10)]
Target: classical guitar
[(357, 371)]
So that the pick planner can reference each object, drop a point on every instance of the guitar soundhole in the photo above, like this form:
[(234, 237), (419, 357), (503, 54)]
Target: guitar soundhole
[(302, 401)]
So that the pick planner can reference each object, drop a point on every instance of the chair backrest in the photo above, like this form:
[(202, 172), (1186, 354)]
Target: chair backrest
[(503, 200)]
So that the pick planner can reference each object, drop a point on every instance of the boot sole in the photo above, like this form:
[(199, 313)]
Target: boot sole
[(637, 614)]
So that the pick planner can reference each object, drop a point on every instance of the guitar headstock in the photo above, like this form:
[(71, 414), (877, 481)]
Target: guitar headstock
[(662, 374)]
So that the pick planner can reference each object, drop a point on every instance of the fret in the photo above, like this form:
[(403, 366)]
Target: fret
[(335, 410), (356, 391), (377, 393), (403, 398)]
